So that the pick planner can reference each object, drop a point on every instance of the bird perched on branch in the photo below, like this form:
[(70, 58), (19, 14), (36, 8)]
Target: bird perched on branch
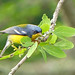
[(15, 34)]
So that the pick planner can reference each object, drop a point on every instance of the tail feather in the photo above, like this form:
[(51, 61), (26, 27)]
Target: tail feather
[(2, 32)]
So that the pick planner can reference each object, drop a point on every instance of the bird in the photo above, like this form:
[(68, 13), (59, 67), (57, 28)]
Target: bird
[(16, 33)]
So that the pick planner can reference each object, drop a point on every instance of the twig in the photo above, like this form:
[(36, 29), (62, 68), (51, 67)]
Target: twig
[(55, 15), (13, 70), (53, 21)]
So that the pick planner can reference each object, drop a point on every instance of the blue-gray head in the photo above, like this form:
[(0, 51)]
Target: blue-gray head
[(33, 29)]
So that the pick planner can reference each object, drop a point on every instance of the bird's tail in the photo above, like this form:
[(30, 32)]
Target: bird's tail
[(2, 32)]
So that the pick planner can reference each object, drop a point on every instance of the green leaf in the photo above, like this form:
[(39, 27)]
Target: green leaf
[(17, 52), (54, 51), (27, 44), (26, 41), (45, 20), (5, 57), (42, 52), (64, 44), (43, 43), (65, 31), (53, 39), (45, 23), (61, 37), (49, 38), (32, 49), (45, 27)]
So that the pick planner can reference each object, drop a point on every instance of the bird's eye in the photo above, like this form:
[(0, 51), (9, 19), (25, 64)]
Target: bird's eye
[(35, 32)]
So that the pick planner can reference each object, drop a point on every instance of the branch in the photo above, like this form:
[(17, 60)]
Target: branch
[(53, 22), (13, 70), (55, 15)]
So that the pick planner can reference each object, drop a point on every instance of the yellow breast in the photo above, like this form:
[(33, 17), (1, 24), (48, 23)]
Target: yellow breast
[(15, 38)]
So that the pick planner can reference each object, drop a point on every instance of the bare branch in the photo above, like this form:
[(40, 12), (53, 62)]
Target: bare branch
[(13, 70), (55, 15)]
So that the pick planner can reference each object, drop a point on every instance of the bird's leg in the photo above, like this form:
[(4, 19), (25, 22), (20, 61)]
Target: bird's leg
[(8, 43), (15, 48)]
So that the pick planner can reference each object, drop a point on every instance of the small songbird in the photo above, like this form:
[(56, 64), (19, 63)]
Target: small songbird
[(15, 33)]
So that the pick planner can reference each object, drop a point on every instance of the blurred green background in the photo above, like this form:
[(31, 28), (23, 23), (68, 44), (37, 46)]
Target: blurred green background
[(15, 12)]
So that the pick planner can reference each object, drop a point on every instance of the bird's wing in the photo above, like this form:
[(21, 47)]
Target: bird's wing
[(18, 30)]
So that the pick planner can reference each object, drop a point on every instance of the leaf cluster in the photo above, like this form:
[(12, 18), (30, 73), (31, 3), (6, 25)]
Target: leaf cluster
[(57, 41)]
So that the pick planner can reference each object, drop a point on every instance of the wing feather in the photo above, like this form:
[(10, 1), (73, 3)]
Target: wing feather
[(15, 30)]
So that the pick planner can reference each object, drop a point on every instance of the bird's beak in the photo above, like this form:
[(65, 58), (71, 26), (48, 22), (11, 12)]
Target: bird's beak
[(40, 34), (36, 35)]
